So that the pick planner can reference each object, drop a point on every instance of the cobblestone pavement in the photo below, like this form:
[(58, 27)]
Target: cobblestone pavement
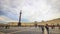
[(28, 30)]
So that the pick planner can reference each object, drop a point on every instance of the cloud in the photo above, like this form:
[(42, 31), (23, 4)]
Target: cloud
[(4, 19), (32, 10)]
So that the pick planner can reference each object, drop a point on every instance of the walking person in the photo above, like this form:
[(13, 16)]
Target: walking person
[(42, 27), (47, 28), (6, 27)]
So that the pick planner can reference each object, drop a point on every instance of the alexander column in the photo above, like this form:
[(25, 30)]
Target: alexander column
[(19, 23)]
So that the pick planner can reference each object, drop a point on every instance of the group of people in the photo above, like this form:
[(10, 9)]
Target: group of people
[(42, 27), (47, 28)]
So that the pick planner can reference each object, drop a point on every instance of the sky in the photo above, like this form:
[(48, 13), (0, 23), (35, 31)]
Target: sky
[(32, 10)]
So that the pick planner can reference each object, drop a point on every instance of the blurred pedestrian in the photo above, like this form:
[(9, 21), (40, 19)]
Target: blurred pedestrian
[(42, 27), (6, 27), (47, 28)]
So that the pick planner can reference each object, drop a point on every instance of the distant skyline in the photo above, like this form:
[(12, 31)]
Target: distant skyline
[(32, 10)]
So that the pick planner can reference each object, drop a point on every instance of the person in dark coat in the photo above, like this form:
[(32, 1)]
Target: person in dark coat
[(47, 28), (42, 27), (7, 27)]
